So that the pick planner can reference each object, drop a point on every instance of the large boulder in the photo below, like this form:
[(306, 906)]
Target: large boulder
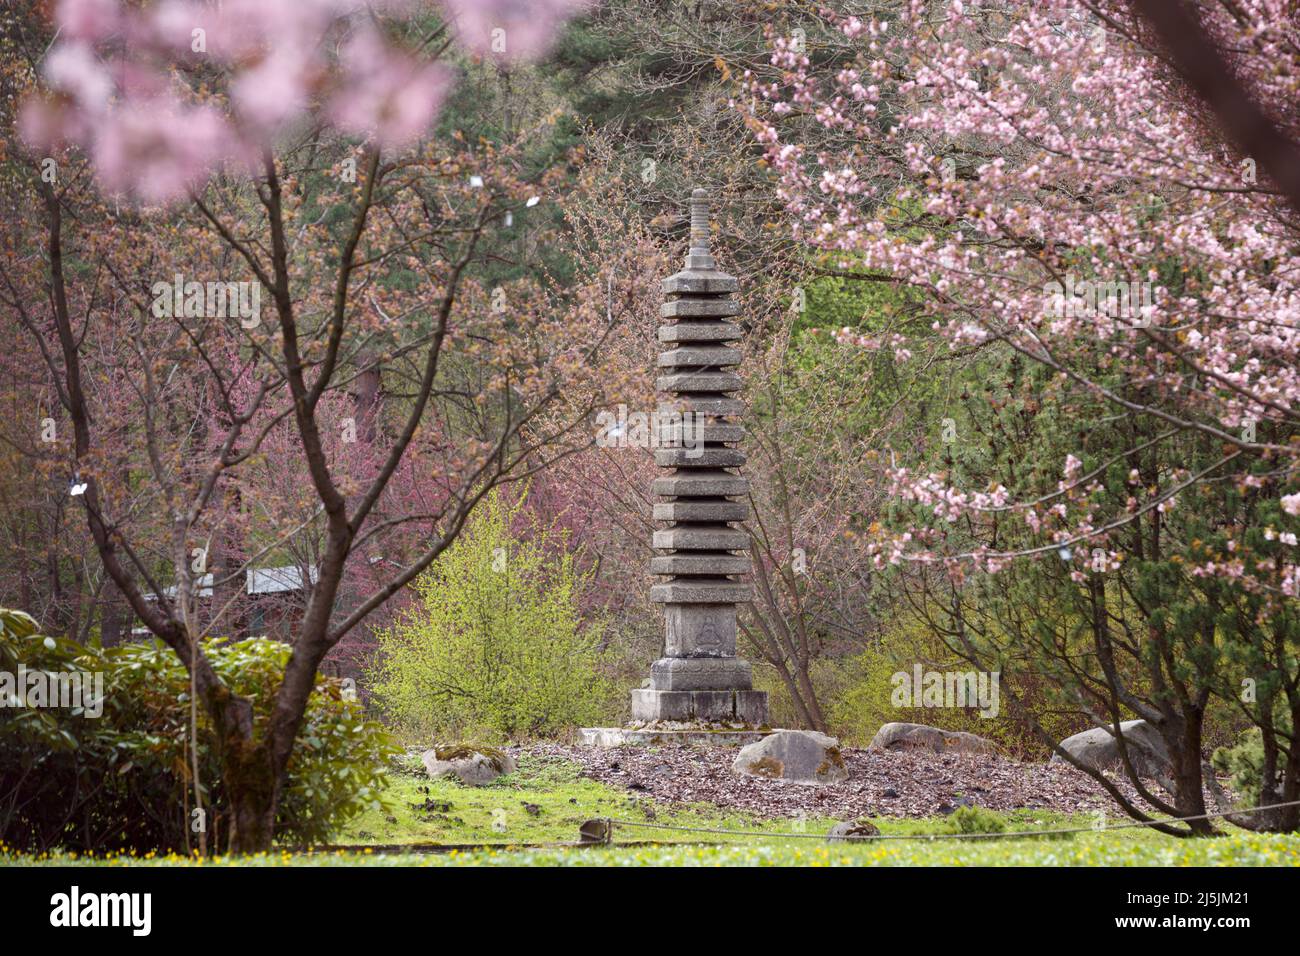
[(900, 736), (799, 756), (1098, 749), (470, 765)]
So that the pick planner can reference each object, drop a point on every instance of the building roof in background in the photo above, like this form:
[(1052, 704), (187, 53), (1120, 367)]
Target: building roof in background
[(278, 580)]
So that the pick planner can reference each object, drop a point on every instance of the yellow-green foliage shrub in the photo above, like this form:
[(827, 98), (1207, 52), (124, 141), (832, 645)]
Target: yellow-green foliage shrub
[(857, 694), (494, 643)]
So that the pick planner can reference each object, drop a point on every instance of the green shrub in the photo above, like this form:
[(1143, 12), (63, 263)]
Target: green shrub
[(971, 819), (857, 695), (494, 644), (1243, 762), (123, 780)]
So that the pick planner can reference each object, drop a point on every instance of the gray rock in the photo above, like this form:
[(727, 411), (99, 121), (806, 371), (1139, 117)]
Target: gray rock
[(695, 308), (715, 564), (474, 766), (846, 831), (1097, 748), (673, 432), (799, 756), (699, 282), (902, 736), (699, 382)]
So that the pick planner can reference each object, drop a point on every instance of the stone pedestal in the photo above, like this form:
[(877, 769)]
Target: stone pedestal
[(701, 551)]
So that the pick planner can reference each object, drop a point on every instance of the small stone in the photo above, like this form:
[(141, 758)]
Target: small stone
[(716, 405), (702, 308), (846, 832), (702, 591), (697, 282), (699, 457), (701, 673), (673, 433), (699, 356), (702, 511)]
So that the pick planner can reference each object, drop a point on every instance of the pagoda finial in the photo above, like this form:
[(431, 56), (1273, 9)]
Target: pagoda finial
[(698, 255), (700, 221)]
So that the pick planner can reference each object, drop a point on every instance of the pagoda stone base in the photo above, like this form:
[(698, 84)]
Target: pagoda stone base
[(723, 706), (701, 673), (670, 734)]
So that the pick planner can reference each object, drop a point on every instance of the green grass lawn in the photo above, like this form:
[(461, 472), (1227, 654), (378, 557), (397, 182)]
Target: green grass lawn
[(546, 801), (543, 801)]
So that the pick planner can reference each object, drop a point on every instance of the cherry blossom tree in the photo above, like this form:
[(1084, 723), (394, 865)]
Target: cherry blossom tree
[(275, 151), (1045, 180)]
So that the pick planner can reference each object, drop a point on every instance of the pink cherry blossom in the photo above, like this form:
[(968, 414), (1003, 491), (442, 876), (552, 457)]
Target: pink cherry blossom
[(386, 94), (89, 20), (158, 150), (74, 69), (510, 29), (49, 124), (1067, 144), (118, 75), (274, 91)]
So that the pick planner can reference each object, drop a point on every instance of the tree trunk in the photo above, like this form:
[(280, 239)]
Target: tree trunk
[(115, 615), (809, 695), (1189, 782), (253, 789)]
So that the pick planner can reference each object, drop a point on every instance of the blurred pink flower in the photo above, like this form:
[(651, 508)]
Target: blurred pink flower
[(511, 29), (237, 29), (134, 81), (72, 68), (89, 20), (386, 94), (156, 150), (171, 25), (48, 123), (275, 91), (123, 108)]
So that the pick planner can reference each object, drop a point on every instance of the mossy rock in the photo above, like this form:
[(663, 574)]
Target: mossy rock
[(468, 763), (499, 758)]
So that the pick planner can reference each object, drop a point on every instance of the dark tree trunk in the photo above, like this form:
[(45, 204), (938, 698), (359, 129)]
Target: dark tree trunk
[(115, 615), (252, 790)]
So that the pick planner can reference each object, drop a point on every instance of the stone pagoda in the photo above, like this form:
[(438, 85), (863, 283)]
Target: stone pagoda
[(701, 496)]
